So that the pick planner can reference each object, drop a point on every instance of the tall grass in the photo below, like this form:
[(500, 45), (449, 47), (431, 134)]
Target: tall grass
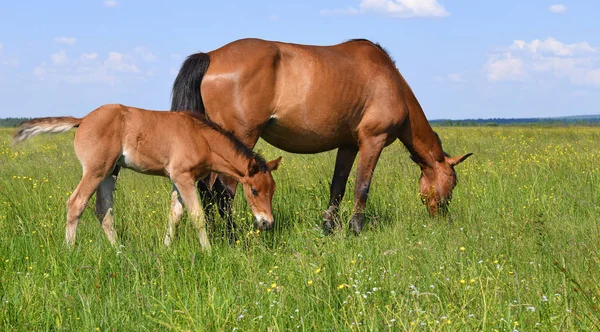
[(528, 198)]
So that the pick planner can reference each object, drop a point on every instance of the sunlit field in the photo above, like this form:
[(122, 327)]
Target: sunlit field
[(518, 251)]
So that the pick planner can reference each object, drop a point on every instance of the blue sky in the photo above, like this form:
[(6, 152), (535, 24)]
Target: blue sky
[(463, 58)]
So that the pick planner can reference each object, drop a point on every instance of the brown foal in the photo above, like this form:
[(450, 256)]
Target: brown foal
[(311, 99), (182, 146)]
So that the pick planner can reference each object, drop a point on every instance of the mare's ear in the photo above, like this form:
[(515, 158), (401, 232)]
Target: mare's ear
[(253, 167), (273, 164), (453, 161)]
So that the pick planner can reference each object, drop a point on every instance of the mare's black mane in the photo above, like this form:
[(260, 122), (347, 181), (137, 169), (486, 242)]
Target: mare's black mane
[(376, 44)]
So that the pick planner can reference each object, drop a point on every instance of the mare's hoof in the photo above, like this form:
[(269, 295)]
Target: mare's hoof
[(328, 226), (356, 223)]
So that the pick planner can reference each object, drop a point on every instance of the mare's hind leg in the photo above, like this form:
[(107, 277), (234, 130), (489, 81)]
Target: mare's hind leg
[(104, 205), (76, 203), (174, 216), (187, 189), (343, 165), (370, 150)]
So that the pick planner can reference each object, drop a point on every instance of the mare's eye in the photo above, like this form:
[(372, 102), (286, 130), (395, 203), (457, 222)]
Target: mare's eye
[(254, 192)]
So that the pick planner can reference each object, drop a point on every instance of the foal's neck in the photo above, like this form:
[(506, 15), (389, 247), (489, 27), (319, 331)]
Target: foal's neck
[(226, 158)]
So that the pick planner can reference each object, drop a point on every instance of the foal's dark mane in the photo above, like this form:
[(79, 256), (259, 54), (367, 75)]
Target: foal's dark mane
[(239, 147), (376, 44)]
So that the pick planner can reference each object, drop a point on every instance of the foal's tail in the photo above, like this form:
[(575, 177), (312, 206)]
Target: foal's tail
[(34, 127), (186, 88)]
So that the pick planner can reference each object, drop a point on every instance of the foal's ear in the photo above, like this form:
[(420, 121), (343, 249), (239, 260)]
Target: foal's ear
[(253, 167), (453, 161), (273, 164)]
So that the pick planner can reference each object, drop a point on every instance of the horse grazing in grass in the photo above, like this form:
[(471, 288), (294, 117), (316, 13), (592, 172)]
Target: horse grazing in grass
[(180, 145), (310, 99)]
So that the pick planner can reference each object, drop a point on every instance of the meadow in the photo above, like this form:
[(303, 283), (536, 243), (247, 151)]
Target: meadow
[(518, 251)]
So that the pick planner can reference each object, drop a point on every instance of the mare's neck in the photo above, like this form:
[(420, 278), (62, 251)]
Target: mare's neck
[(225, 157), (417, 135)]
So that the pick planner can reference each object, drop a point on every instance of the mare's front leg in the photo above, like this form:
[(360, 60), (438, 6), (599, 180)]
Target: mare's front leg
[(343, 166), (104, 205), (76, 203), (369, 152), (221, 196), (175, 214), (226, 188), (186, 186)]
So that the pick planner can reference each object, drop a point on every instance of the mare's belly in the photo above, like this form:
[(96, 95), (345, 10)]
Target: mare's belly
[(298, 138)]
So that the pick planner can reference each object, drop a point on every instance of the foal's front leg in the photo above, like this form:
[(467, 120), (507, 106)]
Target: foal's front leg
[(187, 189)]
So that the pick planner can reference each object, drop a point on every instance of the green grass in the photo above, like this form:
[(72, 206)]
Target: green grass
[(520, 248)]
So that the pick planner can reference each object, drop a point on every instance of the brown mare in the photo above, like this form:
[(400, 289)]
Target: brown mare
[(310, 99), (182, 146)]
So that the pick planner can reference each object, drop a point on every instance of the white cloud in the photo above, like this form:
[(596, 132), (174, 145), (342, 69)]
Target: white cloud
[(1, 47), (114, 68), (557, 9), (111, 3), (394, 8), (551, 45), (456, 77), (505, 67), (119, 62), (59, 57), (144, 54), (542, 60), (88, 56), (66, 40)]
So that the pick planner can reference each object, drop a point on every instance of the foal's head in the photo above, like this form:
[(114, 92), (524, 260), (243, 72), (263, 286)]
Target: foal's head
[(259, 187)]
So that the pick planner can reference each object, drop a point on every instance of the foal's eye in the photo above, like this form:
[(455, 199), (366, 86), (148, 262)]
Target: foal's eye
[(254, 192)]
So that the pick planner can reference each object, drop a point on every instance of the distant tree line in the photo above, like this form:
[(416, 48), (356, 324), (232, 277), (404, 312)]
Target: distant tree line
[(575, 120), (12, 122)]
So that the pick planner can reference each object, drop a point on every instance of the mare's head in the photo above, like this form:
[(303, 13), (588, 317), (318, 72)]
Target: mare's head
[(259, 187), (438, 180)]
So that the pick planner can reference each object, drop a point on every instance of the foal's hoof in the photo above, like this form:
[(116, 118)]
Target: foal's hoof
[(356, 223)]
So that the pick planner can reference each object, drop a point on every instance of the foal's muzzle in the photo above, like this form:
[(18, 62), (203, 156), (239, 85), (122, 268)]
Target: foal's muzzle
[(263, 224)]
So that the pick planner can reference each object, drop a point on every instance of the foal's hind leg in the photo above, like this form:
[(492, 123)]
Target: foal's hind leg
[(187, 189), (104, 205), (76, 203), (343, 165), (174, 215), (369, 152)]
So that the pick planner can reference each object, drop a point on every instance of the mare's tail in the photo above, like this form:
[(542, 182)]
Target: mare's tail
[(34, 127), (186, 89)]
